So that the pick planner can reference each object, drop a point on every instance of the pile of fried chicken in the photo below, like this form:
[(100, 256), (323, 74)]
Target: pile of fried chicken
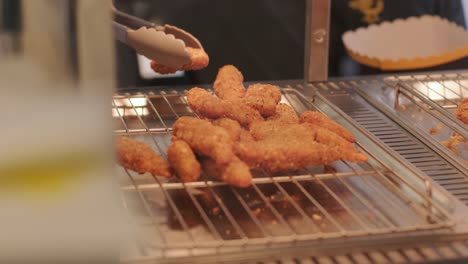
[(240, 129)]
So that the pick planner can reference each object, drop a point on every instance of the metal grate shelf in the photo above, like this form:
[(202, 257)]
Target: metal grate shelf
[(442, 92), (426, 104), (330, 204), (360, 98)]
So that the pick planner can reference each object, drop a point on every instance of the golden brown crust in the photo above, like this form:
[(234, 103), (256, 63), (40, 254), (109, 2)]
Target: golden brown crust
[(139, 157), (210, 106), (236, 172), (347, 150), (277, 132), (323, 121), (284, 114), (198, 60), (205, 104), (273, 155), (183, 161), (205, 138), (231, 126), (229, 83), (462, 111), (271, 146), (263, 97), (241, 112)]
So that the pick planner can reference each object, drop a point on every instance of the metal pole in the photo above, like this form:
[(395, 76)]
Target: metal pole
[(317, 40)]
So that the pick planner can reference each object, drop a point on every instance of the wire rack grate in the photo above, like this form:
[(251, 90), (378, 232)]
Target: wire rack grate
[(325, 203), (421, 104)]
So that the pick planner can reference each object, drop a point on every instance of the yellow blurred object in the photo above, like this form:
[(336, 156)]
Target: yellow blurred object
[(370, 9), (46, 176)]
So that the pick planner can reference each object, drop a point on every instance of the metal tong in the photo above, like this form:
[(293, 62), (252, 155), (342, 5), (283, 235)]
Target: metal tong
[(165, 44)]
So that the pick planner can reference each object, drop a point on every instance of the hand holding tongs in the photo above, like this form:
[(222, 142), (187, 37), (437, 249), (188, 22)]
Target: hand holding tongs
[(164, 44)]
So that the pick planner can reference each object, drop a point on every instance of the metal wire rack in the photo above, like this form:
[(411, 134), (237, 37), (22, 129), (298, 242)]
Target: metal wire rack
[(327, 204), (424, 104), (442, 92), (370, 103)]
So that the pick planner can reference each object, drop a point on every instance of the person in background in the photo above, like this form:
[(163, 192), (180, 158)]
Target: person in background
[(265, 38)]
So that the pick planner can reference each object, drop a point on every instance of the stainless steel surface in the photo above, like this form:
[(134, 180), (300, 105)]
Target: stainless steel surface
[(416, 106), (438, 91), (454, 252), (339, 206), (346, 94), (317, 38)]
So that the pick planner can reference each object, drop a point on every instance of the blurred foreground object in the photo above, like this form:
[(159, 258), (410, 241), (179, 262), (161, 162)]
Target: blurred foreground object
[(58, 202)]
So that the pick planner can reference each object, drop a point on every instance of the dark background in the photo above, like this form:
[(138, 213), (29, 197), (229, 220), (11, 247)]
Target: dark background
[(263, 38)]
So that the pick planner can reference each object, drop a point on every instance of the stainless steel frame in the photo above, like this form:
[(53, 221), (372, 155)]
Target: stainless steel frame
[(423, 104), (385, 210), (406, 128), (339, 206), (317, 40)]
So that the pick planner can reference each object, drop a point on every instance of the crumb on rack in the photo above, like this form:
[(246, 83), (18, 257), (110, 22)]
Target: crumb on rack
[(453, 143), (436, 129), (317, 217)]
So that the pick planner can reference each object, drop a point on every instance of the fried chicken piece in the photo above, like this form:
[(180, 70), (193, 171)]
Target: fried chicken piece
[(231, 126), (198, 60), (209, 106), (263, 97), (205, 104), (306, 132), (330, 138), (462, 111), (229, 83), (274, 146), (286, 154), (236, 172), (241, 112), (279, 152), (205, 138), (264, 90), (139, 157), (322, 120), (183, 161), (266, 129), (284, 114)]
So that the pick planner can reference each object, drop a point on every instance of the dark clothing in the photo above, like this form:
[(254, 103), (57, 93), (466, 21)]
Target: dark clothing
[(265, 38)]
